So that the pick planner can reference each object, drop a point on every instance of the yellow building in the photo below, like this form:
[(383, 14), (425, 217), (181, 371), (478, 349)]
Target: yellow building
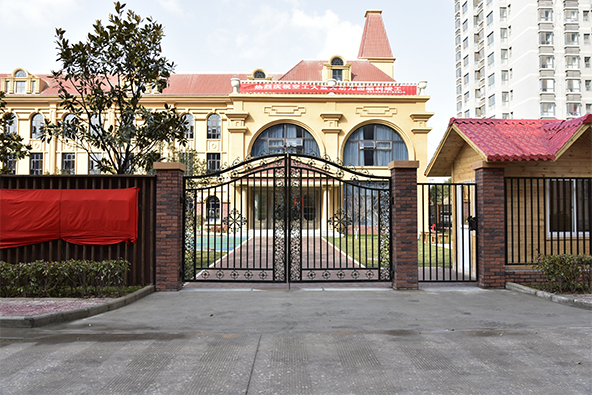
[(353, 110)]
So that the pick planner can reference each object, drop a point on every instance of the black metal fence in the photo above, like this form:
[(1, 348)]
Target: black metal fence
[(140, 254), (447, 232), (547, 216)]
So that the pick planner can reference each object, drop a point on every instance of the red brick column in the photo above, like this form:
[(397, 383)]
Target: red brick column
[(404, 224), (491, 227), (169, 225)]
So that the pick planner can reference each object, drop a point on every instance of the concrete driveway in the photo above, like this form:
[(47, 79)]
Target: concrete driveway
[(438, 340)]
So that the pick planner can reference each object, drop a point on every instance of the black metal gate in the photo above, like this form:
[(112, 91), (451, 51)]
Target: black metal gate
[(287, 218), (447, 232)]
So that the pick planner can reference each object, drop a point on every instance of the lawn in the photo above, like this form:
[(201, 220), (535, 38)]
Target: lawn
[(202, 261), (364, 249)]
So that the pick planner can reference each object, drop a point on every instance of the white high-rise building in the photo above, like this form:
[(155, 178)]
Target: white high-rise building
[(523, 58)]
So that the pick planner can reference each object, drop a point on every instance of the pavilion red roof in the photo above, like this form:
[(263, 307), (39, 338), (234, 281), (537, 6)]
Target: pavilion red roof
[(375, 43), (312, 70)]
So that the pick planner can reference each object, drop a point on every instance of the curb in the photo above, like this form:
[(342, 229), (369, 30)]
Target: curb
[(567, 300), (33, 321)]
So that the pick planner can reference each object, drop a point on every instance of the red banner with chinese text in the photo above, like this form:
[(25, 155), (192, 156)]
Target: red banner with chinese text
[(79, 216), (279, 87)]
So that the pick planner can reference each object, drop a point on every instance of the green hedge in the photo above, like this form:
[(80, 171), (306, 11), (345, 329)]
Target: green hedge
[(71, 278), (566, 273)]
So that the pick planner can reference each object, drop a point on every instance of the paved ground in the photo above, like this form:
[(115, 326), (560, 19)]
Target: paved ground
[(439, 340)]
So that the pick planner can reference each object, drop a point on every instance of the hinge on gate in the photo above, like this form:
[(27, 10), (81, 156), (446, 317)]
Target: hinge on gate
[(472, 223)]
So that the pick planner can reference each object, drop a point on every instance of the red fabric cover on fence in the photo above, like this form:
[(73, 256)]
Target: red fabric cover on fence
[(79, 216)]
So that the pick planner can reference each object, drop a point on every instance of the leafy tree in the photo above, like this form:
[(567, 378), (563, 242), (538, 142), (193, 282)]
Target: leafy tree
[(11, 144), (111, 71)]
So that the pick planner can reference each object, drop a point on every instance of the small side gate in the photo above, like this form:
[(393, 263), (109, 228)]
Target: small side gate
[(447, 232), (287, 218)]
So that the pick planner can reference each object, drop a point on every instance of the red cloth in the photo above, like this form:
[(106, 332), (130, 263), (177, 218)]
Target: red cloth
[(79, 216)]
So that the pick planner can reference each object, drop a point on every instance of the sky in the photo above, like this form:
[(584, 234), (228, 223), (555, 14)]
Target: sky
[(240, 36)]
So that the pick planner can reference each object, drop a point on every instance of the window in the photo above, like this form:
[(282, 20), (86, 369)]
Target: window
[(465, 25), (572, 38), (585, 16), (308, 207), (10, 123), (505, 77), (491, 80), (505, 115), (68, 163), (466, 78), (458, 106), (456, 7), (36, 167), (573, 109), (95, 124), (10, 164), (20, 87), (504, 56), (468, 114), (213, 161), (572, 86), (7, 86), (505, 98), (572, 62), (547, 85), (503, 14), (588, 85), (491, 101), (214, 126), (285, 137), (478, 74), (503, 35), (458, 56), (478, 37), (20, 74), (374, 145), (490, 59), (547, 109), (458, 73), (37, 124), (586, 38), (337, 61), (465, 62), (478, 56), (458, 89), (467, 97), (571, 15), (465, 8), (546, 38), (546, 15), (94, 158), (69, 127), (337, 74), (33, 86), (259, 75), (477, 19), (587, 62), (466, 43), (478, 93), (490, 18), (189, 122), (568, 206), (547, 61), (588, 109), (213, 209), (490, 39), (457, 23)]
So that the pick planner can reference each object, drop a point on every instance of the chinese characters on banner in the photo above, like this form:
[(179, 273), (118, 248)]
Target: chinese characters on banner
[(279, 87)]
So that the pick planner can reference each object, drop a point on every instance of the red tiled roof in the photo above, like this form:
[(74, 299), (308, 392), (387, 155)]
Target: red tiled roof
[(375, 43), (201, 84), (312, 70), (519, 139)]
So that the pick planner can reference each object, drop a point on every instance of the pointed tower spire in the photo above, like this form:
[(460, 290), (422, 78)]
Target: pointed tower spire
[(375, 45)]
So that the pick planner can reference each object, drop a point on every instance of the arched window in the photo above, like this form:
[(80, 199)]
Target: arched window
[(95, 124), (285, 137), (69, 129), (213, 209), (10, 124), (374, 145), (259, 75), (20, 74), (189, 125), (337, 61), (214, 126), (37, 123)]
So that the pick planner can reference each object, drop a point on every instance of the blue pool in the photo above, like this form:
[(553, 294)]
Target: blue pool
[(217, 243)]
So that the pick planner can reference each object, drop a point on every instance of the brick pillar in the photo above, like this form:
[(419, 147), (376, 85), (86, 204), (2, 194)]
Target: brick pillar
[(491, 227), (404, 224), (169, 225)]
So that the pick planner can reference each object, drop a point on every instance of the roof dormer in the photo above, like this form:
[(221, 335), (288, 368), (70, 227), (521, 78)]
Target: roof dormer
[(259, 74), (22, 82), (337, 69)]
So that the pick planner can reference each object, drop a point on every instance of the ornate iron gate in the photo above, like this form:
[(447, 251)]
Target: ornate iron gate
[(287, 218)]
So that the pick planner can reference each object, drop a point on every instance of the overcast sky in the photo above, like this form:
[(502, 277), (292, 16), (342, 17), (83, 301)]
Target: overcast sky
[(240, 36)]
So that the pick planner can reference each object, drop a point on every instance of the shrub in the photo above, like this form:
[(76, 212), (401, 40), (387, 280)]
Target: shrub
[(73, 278), (566, 273)]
